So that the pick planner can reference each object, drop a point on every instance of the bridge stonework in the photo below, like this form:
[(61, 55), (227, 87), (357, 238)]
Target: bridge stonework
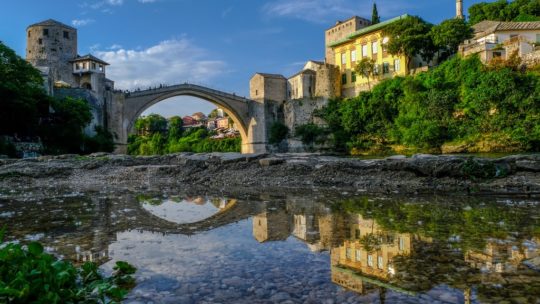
[(250, 116)]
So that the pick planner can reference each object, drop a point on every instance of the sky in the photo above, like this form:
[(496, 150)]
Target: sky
[(216, 43)]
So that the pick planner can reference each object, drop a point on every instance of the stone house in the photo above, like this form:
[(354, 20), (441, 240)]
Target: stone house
[(496, 39)]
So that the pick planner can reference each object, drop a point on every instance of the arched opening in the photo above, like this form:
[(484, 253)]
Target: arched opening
[(224, 128), (87, 86)]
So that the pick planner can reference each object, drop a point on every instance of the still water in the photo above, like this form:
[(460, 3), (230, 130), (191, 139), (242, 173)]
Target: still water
[(294, 248)]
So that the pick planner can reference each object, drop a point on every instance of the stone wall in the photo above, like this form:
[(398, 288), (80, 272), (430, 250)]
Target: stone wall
[(327, 81), (531, 59)]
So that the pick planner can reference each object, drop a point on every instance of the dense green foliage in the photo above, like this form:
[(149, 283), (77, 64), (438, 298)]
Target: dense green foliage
[(460, 102), (410, 37), (503, 10), (310, 134), (29, 275), (448, 35), (157, 135), (278, 132), (27, 111)]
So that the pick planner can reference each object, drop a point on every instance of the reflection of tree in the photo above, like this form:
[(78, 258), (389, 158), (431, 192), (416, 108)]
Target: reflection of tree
[(468, 224), (432, 264), (370, 242)]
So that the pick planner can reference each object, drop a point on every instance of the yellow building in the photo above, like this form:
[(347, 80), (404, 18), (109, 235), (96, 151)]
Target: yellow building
[(367, 42)]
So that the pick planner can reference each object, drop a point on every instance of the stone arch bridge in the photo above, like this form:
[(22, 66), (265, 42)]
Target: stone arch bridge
[(249, 116)]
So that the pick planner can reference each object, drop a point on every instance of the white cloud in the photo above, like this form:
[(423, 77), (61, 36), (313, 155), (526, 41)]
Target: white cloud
[(169, 62), (325, 11), (115, 2), (81, 22), (115, 47), (147, 1)]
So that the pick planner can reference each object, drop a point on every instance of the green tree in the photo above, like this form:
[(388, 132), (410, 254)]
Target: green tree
[(503, 10), (278, 132), (448, 35), (375, 15), (64, 132), (410, 37), (22, 98), (151, 124), (366, 68), (175, 129)]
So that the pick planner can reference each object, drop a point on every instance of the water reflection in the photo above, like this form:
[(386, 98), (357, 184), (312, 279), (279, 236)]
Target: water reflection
[(185, 210), (297, 248)]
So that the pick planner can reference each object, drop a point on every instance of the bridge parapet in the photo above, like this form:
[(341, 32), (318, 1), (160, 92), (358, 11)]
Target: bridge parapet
[(184, 86)]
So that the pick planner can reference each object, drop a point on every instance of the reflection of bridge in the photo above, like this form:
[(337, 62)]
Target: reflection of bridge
[(248, 115)]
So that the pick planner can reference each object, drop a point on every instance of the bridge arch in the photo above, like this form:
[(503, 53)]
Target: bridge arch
[(247, 114)]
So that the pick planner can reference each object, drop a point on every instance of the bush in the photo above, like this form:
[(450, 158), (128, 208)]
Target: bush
[(29, 275), (278, 132), (7, 148), (103, 141), (310, 133)]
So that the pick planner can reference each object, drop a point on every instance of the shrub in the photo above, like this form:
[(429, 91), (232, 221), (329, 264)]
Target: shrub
[(278, 132), (310, 133), (29, 275)]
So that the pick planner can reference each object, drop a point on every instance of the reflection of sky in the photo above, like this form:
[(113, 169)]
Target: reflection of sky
[(228, 253), (182, 212)]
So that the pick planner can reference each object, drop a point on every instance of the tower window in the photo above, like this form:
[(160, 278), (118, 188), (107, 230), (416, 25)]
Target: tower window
[(29, 34), (45, 32), (40, 41), (66, 34)]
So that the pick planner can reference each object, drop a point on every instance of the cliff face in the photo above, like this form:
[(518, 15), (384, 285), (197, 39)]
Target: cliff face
[(421, 174)]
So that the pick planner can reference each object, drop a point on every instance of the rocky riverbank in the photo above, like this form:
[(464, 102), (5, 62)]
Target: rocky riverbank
[(231, 172)]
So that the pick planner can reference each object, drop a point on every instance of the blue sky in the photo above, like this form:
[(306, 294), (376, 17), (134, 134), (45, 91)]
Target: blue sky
[(220, 43)]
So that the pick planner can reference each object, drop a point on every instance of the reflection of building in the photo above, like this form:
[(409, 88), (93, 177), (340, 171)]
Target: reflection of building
[(370, 250), (495, 39), (503, 256), (271, 225)]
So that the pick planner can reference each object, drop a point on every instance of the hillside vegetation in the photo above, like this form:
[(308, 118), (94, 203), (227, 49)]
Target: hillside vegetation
[(459, 106)]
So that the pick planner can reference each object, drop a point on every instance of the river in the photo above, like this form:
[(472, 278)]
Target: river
[(292, 248)]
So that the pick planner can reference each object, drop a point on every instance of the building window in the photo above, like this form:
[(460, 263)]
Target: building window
[(40, 41), (343, 58), (375, 69), (401, 243), (364, 50), (357, 232), (353, 79), (84, 65), (380, 262), (353, 55), (29, 34), (45, 32), (101, 68), (348, 253), (77, 66), (358, 255), (257, 92), (66, 34), (386, 68), (370, 260), (397, 65), (94, 66), (343, 78), (374, 49)]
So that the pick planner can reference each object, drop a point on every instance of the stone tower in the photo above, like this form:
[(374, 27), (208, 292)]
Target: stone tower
[(51, 44), (459, 9)]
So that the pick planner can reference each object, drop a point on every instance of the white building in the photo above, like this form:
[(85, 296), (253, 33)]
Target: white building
[(496, 39)]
